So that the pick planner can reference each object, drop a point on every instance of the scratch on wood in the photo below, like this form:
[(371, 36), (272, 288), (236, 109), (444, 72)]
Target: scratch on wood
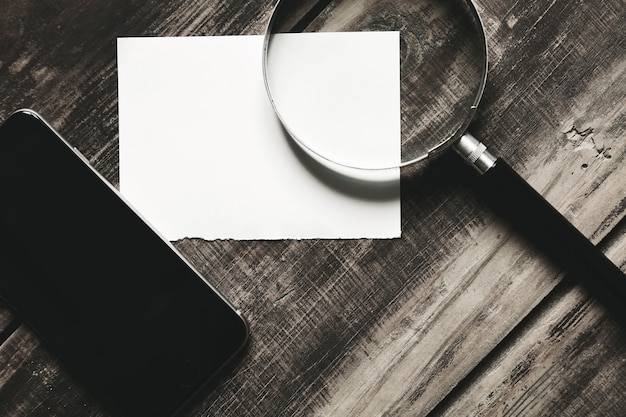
[(586, 141), (572, 318), (522, 368), (579, 133), (283, 296)]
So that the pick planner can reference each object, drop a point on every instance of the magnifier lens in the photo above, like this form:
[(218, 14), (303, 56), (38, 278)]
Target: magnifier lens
[(442, 56)]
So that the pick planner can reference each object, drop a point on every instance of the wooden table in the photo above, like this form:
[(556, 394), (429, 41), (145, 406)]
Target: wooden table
[(461, 316)]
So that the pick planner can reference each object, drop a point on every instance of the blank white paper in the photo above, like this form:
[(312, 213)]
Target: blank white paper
[(202, 153)]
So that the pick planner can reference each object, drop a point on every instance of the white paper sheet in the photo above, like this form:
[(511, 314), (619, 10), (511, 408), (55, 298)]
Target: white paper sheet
[(203, 155)]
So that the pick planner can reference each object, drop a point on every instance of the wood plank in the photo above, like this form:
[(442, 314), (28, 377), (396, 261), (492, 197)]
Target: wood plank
[(351, 327), (566, 358)]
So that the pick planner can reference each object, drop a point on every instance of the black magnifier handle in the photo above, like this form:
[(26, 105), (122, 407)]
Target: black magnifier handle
[(527, 211)]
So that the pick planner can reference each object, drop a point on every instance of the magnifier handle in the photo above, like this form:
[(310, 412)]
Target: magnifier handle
[(526, 210)]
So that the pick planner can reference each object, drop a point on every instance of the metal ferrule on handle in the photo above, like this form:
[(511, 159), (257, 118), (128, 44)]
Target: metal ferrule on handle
[(475, 153)]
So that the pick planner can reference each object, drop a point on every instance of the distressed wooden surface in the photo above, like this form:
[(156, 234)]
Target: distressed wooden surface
[(565, 358), (458, 317)]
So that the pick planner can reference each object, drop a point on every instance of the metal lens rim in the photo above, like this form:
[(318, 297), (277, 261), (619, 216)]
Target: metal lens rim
[(441, 146)]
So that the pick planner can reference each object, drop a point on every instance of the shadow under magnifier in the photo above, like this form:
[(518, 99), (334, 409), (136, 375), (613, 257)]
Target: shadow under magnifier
[(370, 185)]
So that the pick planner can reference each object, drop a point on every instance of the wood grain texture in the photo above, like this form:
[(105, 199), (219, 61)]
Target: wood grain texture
[(369, 327), (35, 384), (566, 358)]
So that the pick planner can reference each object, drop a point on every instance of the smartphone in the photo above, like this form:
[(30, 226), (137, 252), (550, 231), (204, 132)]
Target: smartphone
[(103, 290)]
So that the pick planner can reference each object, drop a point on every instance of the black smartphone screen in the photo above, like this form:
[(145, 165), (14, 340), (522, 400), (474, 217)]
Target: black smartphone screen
[(111, 297)]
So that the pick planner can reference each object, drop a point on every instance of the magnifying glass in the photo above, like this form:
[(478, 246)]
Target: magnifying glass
[(443, 71)]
